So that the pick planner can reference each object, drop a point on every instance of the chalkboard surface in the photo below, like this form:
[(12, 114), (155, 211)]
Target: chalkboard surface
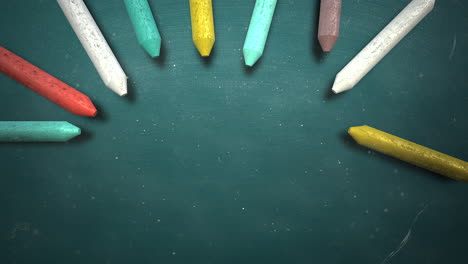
[(207, 161)]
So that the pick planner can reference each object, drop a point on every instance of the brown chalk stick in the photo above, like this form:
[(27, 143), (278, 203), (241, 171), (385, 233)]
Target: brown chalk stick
[(329, 24)]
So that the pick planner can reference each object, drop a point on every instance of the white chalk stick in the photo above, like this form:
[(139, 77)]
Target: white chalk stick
[(95, 45), (382, 44)]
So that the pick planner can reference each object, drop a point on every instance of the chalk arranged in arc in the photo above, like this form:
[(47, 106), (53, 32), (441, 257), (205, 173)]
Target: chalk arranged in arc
[(329, 23), (257, 33), (203, 32), (410, 152), (37, 131), (382, 44), (45, 84), (95, 45), (144, 25), (203, 35)]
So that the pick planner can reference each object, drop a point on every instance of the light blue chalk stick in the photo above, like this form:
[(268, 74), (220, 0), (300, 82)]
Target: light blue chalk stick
[(144, 26), (258, 30), (37, 131)]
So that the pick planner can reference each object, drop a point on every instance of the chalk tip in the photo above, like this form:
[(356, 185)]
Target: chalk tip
[(340, 85), (88, 108), (251, 56), (152, 46), (352, 130), (327, 42), (70, 131), (118, 85), (358, 133), (93, 112), (85, 109), (88, 111), (204, 46)]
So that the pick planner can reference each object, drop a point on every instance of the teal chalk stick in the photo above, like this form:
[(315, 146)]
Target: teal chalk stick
[(144, 25), (37, 131), (258, 30)]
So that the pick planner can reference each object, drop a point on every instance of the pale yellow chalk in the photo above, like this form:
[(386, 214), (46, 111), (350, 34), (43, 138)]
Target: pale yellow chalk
[(410, 152)]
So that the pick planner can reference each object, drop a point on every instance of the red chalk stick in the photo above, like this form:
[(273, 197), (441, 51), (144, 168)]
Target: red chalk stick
[(45, 84), (329, 23)]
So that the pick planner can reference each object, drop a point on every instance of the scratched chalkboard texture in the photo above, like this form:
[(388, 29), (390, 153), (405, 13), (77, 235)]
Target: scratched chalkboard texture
[(206, 161)]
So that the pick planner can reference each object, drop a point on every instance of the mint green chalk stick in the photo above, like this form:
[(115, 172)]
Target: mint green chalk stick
[(37, 131), (258, 30), (144, 25)]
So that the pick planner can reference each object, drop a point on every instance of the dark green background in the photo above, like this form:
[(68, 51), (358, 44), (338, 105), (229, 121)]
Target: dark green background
[(206, 161)]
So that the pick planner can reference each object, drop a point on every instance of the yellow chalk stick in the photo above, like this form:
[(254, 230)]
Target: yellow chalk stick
[(203, 33), (410, 152)]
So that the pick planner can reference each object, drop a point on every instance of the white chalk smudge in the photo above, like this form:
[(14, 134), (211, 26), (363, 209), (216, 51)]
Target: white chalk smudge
[(406, 238), (454, 46)]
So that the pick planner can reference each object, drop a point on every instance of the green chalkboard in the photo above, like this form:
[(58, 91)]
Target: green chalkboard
[(207, 161)]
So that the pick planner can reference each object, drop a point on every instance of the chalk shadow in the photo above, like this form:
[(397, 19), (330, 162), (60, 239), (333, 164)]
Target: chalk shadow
[(318, 54), (101, 114), (329, 95), (162, 52), (251, 70), (85, 136), (131, 92), (208, 60), (161, 59)]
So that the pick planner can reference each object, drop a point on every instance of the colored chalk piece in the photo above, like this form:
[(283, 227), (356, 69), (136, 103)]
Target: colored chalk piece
[(37, 131), (410, 152), (95, 45), (329, 23), (203, 32), (45, 84), (258, 30), (382, 44), (144, 25)]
